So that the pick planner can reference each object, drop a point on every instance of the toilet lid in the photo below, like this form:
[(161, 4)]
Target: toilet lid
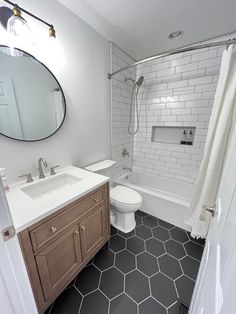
[(122, 194)]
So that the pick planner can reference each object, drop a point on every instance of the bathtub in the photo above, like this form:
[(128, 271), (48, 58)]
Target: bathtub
[(163, 198)]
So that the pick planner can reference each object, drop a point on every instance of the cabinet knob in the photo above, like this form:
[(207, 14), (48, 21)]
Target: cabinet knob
[(83, 228), (95, 200), (53, 229), (77, 232)]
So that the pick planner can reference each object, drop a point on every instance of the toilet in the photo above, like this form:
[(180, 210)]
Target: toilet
[(124, 201)]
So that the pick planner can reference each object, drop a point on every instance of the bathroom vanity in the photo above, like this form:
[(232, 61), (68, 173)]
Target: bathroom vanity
[(60, 230)]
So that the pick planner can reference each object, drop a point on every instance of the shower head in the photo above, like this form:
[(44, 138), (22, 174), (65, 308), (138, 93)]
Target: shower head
[(140, 80)]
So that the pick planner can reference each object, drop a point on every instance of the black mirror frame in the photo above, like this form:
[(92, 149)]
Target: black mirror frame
[(63, 96)]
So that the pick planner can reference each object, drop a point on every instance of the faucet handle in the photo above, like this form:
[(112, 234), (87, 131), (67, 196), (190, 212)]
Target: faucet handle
[(52, 170), (28, 177)]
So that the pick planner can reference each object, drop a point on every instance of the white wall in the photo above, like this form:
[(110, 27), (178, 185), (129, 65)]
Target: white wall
[(85, 136)]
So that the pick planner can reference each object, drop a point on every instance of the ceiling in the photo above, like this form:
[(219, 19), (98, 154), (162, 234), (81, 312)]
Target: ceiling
[(141, 27)]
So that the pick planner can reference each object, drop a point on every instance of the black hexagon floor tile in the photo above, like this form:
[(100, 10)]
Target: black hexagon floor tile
[(155, 247), (127, 235), (190, 267), (135, 245), (88, 279), (113, 231), (185, 287), (151, 306), (143, 232), (174, 309), (137, 286), (102, 280), (170, 266), (138, 220), (117, 243), (161, 233), (150, 221), (112, 282), (147, 264), (67, 303), (175, 249), (163, 289), (140, 213), (165, 224), (194, 250), (104, 259), (125, 261), (94, 301), (122, 305), (179, 235)]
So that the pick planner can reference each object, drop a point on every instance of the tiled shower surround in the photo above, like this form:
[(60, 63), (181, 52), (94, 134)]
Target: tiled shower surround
[(178, 90)]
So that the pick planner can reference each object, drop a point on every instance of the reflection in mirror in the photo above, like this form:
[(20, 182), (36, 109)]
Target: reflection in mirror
[(32, 103)]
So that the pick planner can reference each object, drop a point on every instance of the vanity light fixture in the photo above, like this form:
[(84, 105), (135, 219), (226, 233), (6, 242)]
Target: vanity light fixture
[(16, 23), (17, 26)]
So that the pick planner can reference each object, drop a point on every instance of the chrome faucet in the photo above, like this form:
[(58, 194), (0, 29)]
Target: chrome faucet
[(127, 168), (42, 161)]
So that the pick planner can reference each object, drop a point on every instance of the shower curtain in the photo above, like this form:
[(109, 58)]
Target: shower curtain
[(217, 142)]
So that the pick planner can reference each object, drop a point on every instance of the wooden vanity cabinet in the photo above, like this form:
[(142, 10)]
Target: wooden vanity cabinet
[(57, 248)]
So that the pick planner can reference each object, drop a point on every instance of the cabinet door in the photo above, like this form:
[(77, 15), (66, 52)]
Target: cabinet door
[(93, 231), (58, 262)]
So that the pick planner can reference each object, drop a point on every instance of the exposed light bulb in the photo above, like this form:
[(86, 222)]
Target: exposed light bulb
[(20, 34)]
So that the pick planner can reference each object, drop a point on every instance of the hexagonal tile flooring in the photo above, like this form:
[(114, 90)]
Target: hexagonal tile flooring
[(149, 270)]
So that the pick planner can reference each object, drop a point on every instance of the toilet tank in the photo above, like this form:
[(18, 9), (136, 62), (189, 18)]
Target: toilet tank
[(103, 167)]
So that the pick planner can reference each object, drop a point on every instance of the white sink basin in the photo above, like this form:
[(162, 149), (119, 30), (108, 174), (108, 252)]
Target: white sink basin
[(47, 186)]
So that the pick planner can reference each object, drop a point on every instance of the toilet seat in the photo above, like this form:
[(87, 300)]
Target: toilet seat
[(124, 196)]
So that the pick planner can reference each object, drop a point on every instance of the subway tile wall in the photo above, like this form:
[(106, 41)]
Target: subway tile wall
[(120, 109), (178, 90)]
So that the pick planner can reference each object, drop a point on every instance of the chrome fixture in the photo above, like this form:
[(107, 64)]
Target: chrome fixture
[(124, 153), (136, 84), (28, 177), (52, 170), (127, 168), (176, 34), (17, 20), (139, 82), (192, 47), (42, 161)]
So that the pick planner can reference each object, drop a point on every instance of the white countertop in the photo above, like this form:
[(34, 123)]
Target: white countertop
[(26, 211)]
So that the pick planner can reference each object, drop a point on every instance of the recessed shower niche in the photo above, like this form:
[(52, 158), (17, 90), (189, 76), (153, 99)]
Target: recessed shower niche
[(173, 135)]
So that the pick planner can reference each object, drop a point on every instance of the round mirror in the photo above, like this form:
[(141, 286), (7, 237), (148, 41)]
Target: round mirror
[(32, 103)]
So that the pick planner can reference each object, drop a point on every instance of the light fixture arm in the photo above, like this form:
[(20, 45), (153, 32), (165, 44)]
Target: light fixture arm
[(16, 6)]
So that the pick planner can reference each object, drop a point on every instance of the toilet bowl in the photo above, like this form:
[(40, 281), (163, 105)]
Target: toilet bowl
[(124, 203)]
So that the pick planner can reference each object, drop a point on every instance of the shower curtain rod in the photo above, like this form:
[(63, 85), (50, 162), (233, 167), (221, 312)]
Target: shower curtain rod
[(175, 51)]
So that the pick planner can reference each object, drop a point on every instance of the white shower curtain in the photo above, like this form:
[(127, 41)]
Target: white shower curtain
[(218, 137)]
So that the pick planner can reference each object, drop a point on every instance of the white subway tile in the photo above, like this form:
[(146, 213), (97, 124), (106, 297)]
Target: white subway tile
[(181, 111), (180, 61), (187, 67), (209, 63), (204, 55), (200, 80), (177, 84)]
